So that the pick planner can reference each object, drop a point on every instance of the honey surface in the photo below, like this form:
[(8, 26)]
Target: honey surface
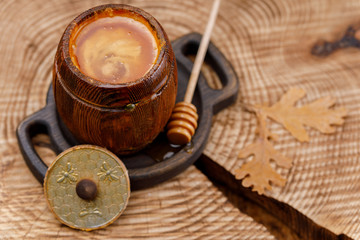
[(115, 49)]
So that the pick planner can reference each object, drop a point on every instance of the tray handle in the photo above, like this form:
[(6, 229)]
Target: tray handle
[(42, 121), (218, 98)]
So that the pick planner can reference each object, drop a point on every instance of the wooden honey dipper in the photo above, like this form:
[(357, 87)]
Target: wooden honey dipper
[(183, 120)]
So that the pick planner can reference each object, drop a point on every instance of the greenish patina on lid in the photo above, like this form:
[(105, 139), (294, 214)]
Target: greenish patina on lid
[(98, 165)]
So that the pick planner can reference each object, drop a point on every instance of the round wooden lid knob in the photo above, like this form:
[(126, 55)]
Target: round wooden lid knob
[(87, 187)]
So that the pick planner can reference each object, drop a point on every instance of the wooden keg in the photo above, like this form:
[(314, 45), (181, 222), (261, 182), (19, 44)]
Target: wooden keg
[(120, 116)]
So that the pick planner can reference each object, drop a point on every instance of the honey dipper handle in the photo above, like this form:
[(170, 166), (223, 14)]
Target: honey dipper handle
[(201, 53)]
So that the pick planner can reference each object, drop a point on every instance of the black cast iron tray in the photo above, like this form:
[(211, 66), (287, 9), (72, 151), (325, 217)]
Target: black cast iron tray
[(160, 160)]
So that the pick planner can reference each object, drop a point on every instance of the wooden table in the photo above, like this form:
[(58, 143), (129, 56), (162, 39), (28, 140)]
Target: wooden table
[(268, 44)]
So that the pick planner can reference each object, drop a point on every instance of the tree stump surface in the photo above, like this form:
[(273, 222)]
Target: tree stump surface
[(269, 45)]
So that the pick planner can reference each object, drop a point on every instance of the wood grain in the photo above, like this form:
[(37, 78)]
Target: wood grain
[(269, 44), (187, 207), (270, 49), (280, 218)]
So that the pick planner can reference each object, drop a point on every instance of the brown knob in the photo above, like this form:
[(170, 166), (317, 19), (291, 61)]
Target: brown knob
[(182, 124), (86, 189)]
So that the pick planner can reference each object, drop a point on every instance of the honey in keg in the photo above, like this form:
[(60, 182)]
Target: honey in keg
[(114, 49)]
